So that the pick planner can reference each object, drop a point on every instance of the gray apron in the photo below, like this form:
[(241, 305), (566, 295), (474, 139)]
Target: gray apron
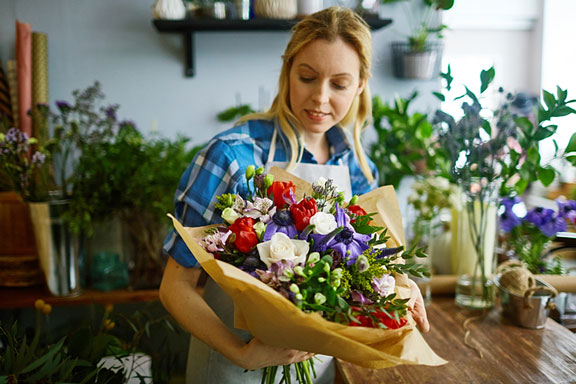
[(205, 365)]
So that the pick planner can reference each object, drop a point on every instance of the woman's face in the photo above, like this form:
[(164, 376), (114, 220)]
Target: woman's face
[(324, 80)]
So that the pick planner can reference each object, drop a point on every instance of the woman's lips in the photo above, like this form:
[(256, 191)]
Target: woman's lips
[(316, 115)]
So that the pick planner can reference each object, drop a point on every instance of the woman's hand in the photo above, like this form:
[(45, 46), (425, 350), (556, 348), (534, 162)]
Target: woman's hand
[(416, 305), (258, 355)]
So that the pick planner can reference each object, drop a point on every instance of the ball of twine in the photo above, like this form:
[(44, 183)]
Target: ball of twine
[(516, 278)]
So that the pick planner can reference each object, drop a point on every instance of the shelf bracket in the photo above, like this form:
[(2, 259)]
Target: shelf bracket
[(189, 70)]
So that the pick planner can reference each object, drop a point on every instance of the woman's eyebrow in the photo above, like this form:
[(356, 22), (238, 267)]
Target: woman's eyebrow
[(307, 66)]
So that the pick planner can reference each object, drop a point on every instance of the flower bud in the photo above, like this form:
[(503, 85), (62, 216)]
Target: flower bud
[(299, 270), (268, 180), (321, 279), (353, 200), (288, 273), (294, 288), (39, 304), (362, 263), (313, 257), (299, 297), (250, 171), (337, 273), (260, 228), (46, 309), (336, 283), (326, 267), (319, 298), (259, 170), (230, 215)]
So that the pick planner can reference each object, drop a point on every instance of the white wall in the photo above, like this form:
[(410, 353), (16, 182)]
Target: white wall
[(114, 41)]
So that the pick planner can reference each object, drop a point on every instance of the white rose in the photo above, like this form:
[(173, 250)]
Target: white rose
[(281, 247), (324, 223)]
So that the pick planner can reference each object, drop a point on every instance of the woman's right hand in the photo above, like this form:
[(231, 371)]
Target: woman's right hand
[(258, 355)]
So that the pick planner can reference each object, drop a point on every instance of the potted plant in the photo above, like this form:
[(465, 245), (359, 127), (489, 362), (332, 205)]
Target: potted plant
[(419, 56), (405, 145)]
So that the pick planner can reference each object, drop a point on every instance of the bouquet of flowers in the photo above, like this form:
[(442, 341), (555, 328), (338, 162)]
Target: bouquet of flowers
[(530, 235), (298, 258)]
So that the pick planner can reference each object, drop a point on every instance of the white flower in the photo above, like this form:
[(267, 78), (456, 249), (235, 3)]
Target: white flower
[(281, 247), (230, 215), (320, 182), (324, 223), (384, 285)]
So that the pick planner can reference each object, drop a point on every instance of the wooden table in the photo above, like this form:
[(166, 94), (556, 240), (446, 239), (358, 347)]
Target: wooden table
[(510, 354)]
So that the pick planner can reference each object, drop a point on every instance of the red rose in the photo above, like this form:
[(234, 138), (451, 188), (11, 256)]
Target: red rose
[(246, 237), (356, 210), (280, 190), (302, 212)]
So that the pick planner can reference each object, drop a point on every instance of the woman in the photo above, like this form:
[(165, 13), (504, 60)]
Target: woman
[(322, 88)]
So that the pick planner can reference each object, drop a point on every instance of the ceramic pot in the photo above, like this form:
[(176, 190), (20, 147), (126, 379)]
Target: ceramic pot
[(276, 9)]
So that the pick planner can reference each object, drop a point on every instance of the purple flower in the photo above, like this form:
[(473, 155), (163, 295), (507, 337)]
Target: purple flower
[(63, 106), (111, 113), (358, 297), (345, 240), (281, 222), (508, 219), (567, 209), (38, 158), (546, 220)]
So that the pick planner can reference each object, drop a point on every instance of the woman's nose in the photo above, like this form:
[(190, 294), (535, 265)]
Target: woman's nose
[(321, 93)]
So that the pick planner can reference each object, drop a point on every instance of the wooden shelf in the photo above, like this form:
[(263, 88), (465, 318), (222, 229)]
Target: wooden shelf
[(187, 27), (25, 297)]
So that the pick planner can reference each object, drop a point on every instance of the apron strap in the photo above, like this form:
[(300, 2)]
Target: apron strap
[(272, 150)]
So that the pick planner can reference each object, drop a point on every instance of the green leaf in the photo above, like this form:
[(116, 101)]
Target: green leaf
[(562, 94), (549, 99), (448, 77), (486, 77), (487, 127), (571, 147), (533, 155), (51, 352), (572, 160), (524, 123), (562, 111), (546, 176), (545, 132), (440, 96)]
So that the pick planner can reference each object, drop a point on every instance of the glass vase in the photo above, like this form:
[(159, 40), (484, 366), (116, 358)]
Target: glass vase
[(474, 243)]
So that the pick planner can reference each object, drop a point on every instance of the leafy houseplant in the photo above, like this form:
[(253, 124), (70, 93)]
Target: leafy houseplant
[(404, 146), (418, 57), (490, 156), (33, 357), (133, 178)]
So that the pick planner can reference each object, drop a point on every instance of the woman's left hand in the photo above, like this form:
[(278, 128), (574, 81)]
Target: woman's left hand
[(416, 305)]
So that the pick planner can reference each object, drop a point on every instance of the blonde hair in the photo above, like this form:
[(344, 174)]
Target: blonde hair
[(329, 24)]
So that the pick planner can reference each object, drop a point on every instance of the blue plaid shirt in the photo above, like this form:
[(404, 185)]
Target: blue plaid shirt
[(220, 168)]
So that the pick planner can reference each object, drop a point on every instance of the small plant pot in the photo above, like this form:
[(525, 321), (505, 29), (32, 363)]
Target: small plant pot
[(408, 64), (530, 310)]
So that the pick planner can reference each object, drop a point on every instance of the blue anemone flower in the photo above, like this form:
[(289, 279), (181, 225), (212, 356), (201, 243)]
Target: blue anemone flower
[(344, 239), (281, 222)]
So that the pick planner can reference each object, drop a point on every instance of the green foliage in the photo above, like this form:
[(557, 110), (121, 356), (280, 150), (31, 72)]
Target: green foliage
[(234, 113), (127, 173), (404, 140), (428, 25), (75, 358), (504, 146)]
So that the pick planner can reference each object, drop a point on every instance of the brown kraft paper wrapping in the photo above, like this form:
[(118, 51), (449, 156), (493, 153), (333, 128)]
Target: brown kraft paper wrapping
[(277, 321)]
